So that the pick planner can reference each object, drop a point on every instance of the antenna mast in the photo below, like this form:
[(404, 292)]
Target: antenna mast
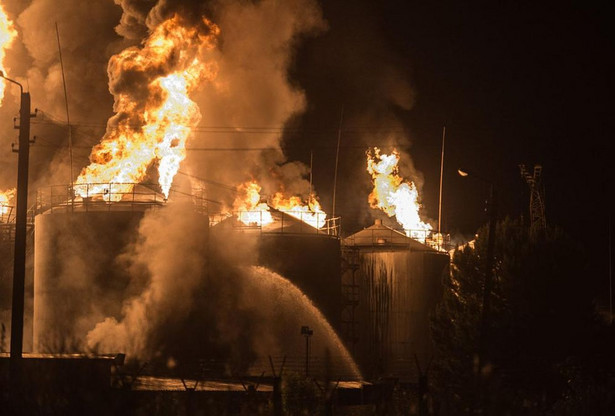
[(337, 157), (538, 220), (441, 174), (70, 133)]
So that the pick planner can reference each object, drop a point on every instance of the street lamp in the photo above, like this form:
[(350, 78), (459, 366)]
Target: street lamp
[(19, 263), (488, 263), (307, 333)]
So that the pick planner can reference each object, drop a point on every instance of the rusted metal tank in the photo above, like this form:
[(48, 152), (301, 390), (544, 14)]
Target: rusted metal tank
[(391, 284)]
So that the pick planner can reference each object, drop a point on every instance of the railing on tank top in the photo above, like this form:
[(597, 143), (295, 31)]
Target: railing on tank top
[(109, 197), (292, 222), (392, 237)]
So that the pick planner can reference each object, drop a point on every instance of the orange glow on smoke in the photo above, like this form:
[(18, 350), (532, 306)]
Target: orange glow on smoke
[(157, 134), (251, 211), (393, 195), (7, 35)]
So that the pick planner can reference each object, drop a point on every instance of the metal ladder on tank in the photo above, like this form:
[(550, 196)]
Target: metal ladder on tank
[(350, 296)]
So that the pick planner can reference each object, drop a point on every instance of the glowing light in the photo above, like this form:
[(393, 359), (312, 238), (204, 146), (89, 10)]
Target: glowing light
[(150, 127), (5, 198), (7, 35), (251, 211), (395, 196), (248, 206), (310, 213)]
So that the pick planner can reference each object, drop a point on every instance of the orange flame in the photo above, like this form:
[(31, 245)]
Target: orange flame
[(248, 206), (155, 131), (251, 211), (310, 213), (5, 198), (395, 196), (7, 35)]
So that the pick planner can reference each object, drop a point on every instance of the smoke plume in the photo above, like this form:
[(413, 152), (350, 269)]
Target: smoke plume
[(252, 98), (202, 295), (172, 263)]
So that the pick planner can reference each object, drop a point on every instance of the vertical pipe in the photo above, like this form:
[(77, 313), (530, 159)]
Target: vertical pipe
[(19, 270), (610, 272), (337, 157), (311, 167), (441, 174), (70, 134)]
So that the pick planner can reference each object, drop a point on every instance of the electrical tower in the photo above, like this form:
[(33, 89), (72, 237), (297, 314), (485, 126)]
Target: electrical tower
[(537, 197)]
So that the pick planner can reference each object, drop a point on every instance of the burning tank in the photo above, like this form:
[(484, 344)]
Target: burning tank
[(391, 285), (290, 245), (78, 276), (306, 261)]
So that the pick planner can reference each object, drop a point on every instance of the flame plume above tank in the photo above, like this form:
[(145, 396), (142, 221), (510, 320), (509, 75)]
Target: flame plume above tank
[(7, 35), (251, 211), (154, 114), (394, 195)]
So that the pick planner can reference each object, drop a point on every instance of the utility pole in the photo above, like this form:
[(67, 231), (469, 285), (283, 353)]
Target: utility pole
[(19, 271), (441, 175), (337, 158)]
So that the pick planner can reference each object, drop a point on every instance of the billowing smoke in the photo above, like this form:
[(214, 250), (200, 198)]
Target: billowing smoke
[(88, 41), (252, 99), (170, 262), (201, 295)]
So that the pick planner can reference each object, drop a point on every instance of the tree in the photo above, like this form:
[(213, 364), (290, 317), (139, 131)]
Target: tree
[(541, 315)]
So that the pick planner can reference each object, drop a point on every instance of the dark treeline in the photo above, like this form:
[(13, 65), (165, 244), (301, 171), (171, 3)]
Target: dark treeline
[(544, 348)]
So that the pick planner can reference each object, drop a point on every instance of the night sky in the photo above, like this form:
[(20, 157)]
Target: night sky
[(514, 82)]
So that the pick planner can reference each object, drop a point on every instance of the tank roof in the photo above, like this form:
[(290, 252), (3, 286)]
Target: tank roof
[(282, 222), (381, 236)]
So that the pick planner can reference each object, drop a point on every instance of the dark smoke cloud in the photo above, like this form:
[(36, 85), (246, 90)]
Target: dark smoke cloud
[(139, 16), (354, 66), (253, 98), (88, 41)]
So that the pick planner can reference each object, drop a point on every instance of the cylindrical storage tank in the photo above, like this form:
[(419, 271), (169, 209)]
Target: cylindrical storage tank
[(302, 304), (398, 283), (310, 258), (312, 262), (78, 276)]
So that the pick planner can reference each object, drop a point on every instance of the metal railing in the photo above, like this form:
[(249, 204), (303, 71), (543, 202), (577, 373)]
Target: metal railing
[(289, 222), (108, 197), (390, 237)]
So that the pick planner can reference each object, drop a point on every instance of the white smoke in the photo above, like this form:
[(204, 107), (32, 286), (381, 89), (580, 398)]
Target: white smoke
[(173, 262)]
